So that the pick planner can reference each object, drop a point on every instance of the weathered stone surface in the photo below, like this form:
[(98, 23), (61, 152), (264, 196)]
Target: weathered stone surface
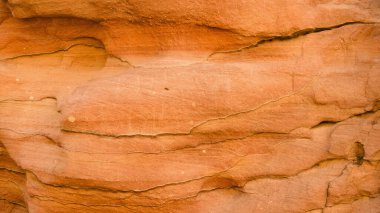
[(189, 106), (258, 17), (12, 183)]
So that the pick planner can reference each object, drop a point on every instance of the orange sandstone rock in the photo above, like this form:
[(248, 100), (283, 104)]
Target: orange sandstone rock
[(189, 106)]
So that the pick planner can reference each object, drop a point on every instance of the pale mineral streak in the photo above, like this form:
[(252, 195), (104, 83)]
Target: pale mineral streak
[(190, 106)]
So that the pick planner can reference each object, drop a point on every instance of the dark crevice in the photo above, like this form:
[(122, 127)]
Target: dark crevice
[(294, 35), (13, 202), (331, 122), (52, 52), (29, 100), (358, 152), (13, 171), (122, 60)]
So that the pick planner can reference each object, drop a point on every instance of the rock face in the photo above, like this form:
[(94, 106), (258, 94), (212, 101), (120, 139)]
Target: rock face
[(190, 106)]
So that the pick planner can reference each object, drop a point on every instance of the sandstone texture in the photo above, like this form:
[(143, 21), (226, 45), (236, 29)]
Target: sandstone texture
[(190, 106)]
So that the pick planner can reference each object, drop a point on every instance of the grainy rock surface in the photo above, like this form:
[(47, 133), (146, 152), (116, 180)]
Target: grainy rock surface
[(190, 106)]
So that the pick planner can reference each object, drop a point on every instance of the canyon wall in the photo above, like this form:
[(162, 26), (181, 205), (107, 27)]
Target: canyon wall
[(190, 106)]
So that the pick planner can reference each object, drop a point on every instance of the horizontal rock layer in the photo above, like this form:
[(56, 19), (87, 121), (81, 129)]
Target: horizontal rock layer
[(178, 106)]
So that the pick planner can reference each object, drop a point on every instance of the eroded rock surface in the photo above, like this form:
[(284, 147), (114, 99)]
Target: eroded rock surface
[(190, 106)]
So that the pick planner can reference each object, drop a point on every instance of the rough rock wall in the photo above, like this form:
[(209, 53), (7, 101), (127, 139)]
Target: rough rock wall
[(190, 106)]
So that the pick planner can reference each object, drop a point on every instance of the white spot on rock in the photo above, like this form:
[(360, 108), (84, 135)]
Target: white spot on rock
[(17, 79), (71, 119), (368, 108), (31, 97)]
